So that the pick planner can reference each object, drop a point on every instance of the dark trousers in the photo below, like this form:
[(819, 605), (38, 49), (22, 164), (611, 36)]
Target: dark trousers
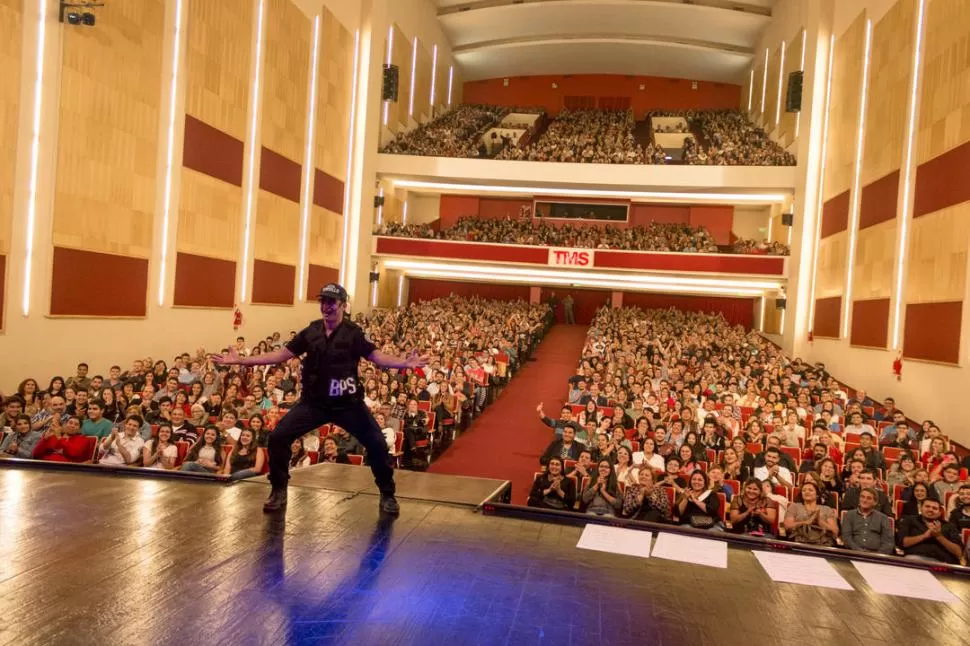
[(355, 419)]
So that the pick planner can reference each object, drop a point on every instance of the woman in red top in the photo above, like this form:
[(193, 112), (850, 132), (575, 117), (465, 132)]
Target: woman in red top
[(933, 459), (64, 444)]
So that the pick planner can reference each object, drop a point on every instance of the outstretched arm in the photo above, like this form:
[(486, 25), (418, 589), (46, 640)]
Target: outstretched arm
[(272, 358), (385, 360)]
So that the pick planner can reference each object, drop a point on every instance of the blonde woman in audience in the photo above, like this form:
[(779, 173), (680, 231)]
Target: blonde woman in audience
[(160, 452), (198, 417)]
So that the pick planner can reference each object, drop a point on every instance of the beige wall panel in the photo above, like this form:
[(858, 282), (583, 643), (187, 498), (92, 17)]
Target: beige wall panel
[(891, 67), (209, 216), (104, 195), (944, 119), (441, 81), (326, 237), (277, 232), (393, 207), (458, 88), (937, 265), (334, 78), (875, 261), (759, 77), (286, 70), (217, 61), (830, 279), (844, 108), (772, 320), (422, 84), (771, 96), (793, 54), (401, 56), (11, 16)]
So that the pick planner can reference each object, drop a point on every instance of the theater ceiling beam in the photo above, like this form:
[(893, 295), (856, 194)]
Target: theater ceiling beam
[(757, 7)]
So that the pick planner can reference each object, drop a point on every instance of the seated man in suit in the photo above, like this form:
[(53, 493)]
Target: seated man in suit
[(566, 449), (867, 480)]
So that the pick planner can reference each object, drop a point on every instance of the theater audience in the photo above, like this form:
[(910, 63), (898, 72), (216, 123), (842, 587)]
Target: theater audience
[(457, 133), (552, 489), (124, 447), (160, 452), (245, 460), (64, 443), (865, 528), (809, 521), (331, 453), (927, 538), (645, 500), (752, 512), (602, 497), (299, 457), (21, 438), (206, 455)]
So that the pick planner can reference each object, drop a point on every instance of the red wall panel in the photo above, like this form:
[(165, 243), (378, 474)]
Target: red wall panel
[(279, 175), (870, 323), (879, 201), (716, 263), (616, 89), (835, 215), (932, 331), (828, 317), (328, 191), (211, 151), (273, 282), (719, 220), (738, 311), (585, 302), (317, 277), (942, 181), (204, 282), (77, 279), (643, 214), (423, 289), (500, 209), (452, 207)]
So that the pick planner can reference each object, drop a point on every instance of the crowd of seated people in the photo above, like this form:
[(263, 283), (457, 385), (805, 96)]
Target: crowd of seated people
[(656, 236), (457, 133), (195, 416), (682, 418), (751, 246), (732, 140), (587, 136)]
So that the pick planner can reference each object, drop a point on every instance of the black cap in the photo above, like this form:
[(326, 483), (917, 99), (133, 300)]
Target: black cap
[(334, 291)]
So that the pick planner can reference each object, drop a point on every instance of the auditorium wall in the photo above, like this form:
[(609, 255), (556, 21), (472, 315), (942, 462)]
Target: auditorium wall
[(102, 196), (658, 93)]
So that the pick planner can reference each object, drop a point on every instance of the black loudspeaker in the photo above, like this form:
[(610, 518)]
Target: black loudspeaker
[(788, 219), (793, 101), (374, 276), (389, 90), (780, 303), (378, 201)]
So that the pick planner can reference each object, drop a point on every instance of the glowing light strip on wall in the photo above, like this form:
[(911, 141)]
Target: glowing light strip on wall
[(821, 183), (801, 66), (764, 83), (350, 155), (720, 198), (414, 70), (390, 49), (373, 294), (404, 212), (34, 154), (400, 289), (380, 206), (581, 282), (451, 79), (750, 87), (308, 164), (434, 72), (901, 251), (761, 314), (253, 152), (771, 226), (626, 279), (857, 177), (781, 78), (169, 153)]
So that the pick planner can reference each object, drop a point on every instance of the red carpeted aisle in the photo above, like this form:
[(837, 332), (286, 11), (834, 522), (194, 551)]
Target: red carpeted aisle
[(506, 441)]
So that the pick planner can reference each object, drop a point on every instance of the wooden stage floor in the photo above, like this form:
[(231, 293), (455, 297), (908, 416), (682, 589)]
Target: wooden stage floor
[(87, 558)]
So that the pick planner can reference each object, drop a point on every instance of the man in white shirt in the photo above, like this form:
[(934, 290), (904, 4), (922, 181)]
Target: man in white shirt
[(123, 449), (772, 471), (857, 425)]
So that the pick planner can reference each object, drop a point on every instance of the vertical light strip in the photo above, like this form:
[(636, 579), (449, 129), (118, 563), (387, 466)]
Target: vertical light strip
[(380, 206), (434, 74), (451, 79), (791, 227), (390, 50), (253, 152), (901, 251), (821, 183), (781, 321), (761, 314), (750, 87), (170, 153), (350, 155), (404, 212), (414, 70), (781, 78), (771, 225), (764, 84), (801, 66), (34, 154), (400, 288), (308, 163), (373, 293), (857, 176)]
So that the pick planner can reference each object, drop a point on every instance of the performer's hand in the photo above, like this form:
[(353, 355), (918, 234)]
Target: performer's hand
[(228, 359), (414, 360)]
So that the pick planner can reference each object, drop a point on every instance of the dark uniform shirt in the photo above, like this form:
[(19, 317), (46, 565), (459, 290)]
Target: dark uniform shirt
[(330, 366)]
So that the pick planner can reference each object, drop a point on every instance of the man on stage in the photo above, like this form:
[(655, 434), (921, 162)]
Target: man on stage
[(332, 393)]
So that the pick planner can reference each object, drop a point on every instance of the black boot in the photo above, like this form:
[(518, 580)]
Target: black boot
[(276, 500), (389, 504)]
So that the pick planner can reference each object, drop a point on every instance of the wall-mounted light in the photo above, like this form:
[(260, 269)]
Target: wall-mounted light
[(414, 70), (434, 74), (451, 79), (253, 153), (801, 66), (781, 79), (169, 153), (764, 83), (750, 87), (821, 182), (390, 51), (308, 164), (350, 155)]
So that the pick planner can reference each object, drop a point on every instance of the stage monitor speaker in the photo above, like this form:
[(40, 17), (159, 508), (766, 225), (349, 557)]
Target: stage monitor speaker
[(375, 276), (378, 201), (780, 303), (788, 219), (793, 100), (389, 90)]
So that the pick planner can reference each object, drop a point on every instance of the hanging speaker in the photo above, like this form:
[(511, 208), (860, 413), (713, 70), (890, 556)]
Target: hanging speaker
[(378, 201), (389, 89), (793, 100), (780, 303), (374, 276), (788, 219)]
